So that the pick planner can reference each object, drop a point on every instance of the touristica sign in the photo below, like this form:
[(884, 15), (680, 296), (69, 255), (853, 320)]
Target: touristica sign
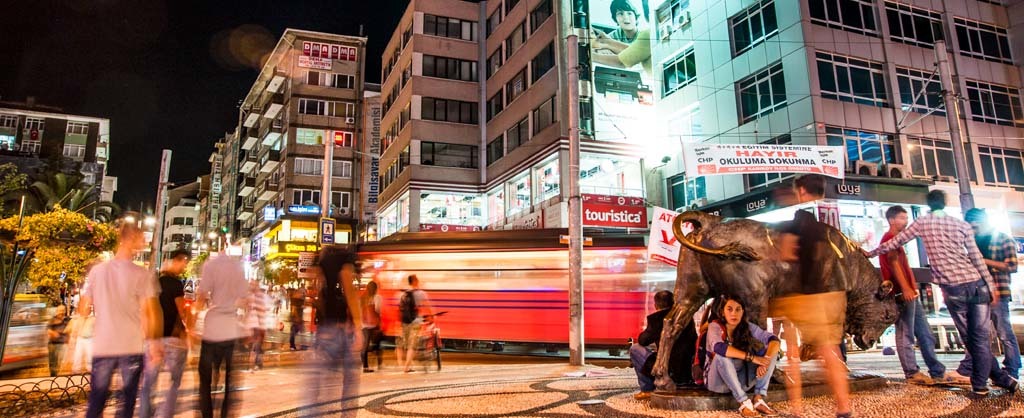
[(708, 160)]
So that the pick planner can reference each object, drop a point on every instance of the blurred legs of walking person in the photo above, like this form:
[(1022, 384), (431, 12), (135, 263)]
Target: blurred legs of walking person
[(259, 335), (371, 342), (102, 372), (175, 358), (295, 329), (335, 354), (910, 326), (212, 357)]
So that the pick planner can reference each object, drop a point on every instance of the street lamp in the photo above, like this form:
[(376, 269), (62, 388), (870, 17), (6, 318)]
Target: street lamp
[(149, 221)]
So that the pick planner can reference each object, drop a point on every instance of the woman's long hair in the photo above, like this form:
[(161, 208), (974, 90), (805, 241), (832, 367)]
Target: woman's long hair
[(742, 338)]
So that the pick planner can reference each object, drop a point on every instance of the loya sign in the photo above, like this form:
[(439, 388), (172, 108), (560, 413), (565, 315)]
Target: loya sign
[(662, 245), (614, 211)]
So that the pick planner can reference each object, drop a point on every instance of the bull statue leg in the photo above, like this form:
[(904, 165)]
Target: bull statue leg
[(690, 293)]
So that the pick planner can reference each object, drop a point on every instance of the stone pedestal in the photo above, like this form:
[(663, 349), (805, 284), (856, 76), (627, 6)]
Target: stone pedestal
[(693, 399)]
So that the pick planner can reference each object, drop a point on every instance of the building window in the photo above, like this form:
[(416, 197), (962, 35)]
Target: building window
[(515, 86), (8, 121), (515, 40), (510, 4), (494, 63), (993, 103), (911, 83), (753, 25), (542, 63), (982, 41), (341, 200), (78, 128), (309, 167), (30, 146), (341, 169), (76, 152), (340, 81), (327, 108), (495, 150), (450, 68), (687, 192), (306, 136), (305, 197), (1001, 167), (678, 72), (449, 27), (762, 93), (872, 147), (544, 115), (756, 181), (495, 104), (343, 139), (448, 110), (856, 16), (913, 26), (931, 157), (448, 155), (35, 123), (493, 21), (539, 15), (852, 80), (517, 134)]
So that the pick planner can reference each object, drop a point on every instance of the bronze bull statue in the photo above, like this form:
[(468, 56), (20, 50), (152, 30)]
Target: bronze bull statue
[(740, 256)]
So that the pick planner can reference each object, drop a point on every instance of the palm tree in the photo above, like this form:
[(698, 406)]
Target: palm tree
[(68, 191)]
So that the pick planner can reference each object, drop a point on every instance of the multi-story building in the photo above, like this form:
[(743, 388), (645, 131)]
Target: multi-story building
[(31, 134), (307, 95), (181, 219)]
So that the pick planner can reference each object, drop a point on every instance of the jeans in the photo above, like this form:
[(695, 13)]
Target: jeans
[(911, 325), (371, 342), (968, 306), (638, 355), (175, 356), (1011, 351), (296, 328), (334, 355), (728, 375), (211, 356), (102, 371), (259, 335)]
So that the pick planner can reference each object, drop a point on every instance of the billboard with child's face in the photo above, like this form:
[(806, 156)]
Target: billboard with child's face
[(623, 79)]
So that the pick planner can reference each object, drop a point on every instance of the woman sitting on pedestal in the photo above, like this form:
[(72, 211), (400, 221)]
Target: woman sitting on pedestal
[(740, 356)]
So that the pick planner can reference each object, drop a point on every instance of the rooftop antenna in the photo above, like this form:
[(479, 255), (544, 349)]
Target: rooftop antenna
[(360, 30)]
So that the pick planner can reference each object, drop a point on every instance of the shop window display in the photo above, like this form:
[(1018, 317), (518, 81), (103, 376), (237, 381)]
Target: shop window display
[(451, 209), (610, 175), (496, 205), (520, 198), (547, 179)]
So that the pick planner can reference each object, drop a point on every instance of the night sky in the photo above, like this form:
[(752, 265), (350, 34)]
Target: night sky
[(168, 74)]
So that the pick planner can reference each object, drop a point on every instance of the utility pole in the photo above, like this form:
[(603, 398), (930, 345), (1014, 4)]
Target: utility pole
[(951, 99), (576, 348), (156, 254), (325, 191)]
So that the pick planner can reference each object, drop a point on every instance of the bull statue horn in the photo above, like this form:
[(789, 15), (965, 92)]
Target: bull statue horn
[(733, 250)]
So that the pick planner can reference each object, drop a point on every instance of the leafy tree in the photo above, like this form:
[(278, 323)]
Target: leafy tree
[(65, 242), (11, 181), (50, 189), (196, 265)]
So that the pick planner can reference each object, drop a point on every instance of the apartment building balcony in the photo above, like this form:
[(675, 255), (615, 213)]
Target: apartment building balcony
[(252, 137), (245, 232), (273, 103), (271, 132), (252, 118), (250, 162), (269, 161), (267, 192), (248, 186), (245, 210), (275, 83)]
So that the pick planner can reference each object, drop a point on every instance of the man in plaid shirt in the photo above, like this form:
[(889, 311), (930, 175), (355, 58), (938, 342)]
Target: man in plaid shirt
[(967, 287), (1000, 252)]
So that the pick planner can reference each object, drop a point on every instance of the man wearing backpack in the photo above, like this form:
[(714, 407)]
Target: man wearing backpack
[(412, 307)]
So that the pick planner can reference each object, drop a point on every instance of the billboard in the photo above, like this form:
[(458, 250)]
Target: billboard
[(715, 159), (620, 54)]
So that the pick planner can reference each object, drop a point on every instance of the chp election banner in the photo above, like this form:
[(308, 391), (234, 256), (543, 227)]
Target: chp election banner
[(663, 245), (708, 160)]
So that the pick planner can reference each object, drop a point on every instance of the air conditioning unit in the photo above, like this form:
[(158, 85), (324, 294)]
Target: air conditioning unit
[(897, 171), (343, 211), (865, 168), (350, 120)]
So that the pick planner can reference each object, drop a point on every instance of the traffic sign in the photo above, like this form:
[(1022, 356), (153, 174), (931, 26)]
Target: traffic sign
[(326, 231)]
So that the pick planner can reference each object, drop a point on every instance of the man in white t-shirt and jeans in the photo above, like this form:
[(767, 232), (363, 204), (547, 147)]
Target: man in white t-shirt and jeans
[(127, 314), (224, 291)]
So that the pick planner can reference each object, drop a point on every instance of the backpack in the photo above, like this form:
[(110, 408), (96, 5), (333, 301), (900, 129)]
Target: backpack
[(407, 307)]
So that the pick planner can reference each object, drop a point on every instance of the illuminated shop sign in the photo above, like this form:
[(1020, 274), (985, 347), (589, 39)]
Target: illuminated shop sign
[(448, 228), (297, 247), (614, 211), (328, 51), (304, 209)]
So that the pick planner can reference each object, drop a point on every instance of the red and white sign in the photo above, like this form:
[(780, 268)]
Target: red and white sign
[(708, 160), (448, 228), (614, 211), (663, 245), (328, 51), (314, 63)]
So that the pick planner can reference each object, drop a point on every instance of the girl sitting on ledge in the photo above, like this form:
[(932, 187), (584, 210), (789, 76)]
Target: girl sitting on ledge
[(741, 356)]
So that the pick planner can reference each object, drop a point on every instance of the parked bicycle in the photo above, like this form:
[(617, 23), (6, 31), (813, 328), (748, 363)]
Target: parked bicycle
[(429, 347)]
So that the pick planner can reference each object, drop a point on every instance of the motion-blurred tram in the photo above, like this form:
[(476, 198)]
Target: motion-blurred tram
[(512, 286)]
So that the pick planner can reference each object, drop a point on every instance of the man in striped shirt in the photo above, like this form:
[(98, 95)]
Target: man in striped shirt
[(967, 287)]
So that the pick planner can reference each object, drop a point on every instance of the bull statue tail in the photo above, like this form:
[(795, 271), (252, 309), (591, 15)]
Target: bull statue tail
[(734, 250)]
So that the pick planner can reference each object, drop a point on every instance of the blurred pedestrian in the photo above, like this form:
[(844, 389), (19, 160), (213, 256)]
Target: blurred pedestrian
[(223, 291), (413, 306), (912, 324), (371, 303), (256, 315), (174, 338), (967, 287), (82, 327), (818, 313), (297, 305), (337, 339), (127, 316), (57, 333)]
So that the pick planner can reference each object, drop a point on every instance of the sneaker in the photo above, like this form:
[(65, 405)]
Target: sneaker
[(367, 370), (747, 409), (958, 379), (945, 379), (981, 391), (642, 396), (920, 379), (1012, 387)]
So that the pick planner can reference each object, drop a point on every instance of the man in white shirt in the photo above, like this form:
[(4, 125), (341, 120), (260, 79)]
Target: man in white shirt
[(127, 313), (224, 291)]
